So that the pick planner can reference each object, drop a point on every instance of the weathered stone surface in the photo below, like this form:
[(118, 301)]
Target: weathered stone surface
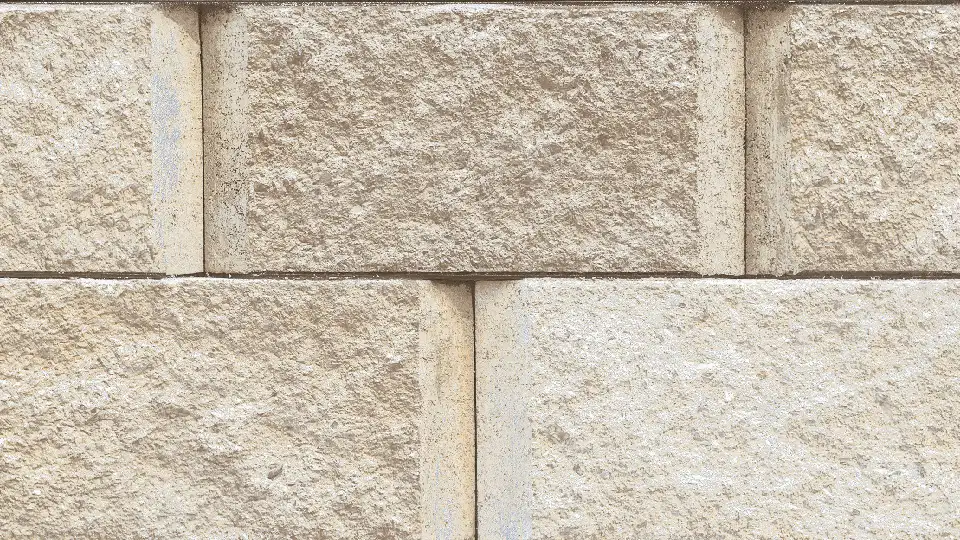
[(100, 139), (474, 138), (718, 409), (853, 129), (200, 408)]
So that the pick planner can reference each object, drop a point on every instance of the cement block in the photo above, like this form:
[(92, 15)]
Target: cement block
[(205, 408), (718, 409), (100, 139), (853, 131), (463, 138)]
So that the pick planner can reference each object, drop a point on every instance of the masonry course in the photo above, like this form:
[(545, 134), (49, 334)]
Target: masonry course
[(474, 138), (718, 408), (100, 139), (236, 408)]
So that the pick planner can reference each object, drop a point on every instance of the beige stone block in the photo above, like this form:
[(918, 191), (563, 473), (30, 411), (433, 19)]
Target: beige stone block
[(462, 138), (718, 409), (853, 130), (205, 408), (100, 139)]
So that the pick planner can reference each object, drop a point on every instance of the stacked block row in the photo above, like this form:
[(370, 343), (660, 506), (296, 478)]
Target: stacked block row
[(208, 407), (476, 139), (681, 138)]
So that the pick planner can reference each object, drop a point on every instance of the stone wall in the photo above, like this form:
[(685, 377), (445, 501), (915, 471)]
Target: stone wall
[(497, 271)]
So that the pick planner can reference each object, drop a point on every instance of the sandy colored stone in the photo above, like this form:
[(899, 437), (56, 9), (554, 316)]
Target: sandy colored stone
[(203, 408), (100, 139), (718, 409), (474, 138), (853, 129)]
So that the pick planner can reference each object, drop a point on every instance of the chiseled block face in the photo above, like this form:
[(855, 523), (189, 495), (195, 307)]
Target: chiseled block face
[(709, 408), (231, 409), (853, 129), (100, 139), (474, 138)]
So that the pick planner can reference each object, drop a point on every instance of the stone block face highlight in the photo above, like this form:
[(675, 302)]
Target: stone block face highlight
[(718, 408), (853, 131), (474, 138), (236, 408), (100, 139)]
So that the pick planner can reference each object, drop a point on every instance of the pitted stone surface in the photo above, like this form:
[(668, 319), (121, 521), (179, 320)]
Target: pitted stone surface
[(100, 139), (718, 409), (853, 139), (203, 408), (474, 138)]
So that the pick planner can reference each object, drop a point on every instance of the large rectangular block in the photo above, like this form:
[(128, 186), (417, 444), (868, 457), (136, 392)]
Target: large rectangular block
[(204, 408), (718, 409), (853, 132), (474, 138), (100, 139)]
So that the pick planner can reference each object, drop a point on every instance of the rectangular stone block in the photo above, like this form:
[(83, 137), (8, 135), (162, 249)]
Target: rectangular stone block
[(100, 139), (205, 408), (853, 132), (474, 138), (718, 409)]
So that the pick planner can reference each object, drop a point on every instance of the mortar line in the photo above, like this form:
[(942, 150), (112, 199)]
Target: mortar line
[(555, 3), (203, 148), (744, 12), (743, 30), (476, 417), (480, 276)]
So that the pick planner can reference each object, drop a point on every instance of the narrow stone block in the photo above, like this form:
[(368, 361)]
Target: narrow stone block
[(205, 408), (718, 409), (100, 139), (853, 132), (474, 138)]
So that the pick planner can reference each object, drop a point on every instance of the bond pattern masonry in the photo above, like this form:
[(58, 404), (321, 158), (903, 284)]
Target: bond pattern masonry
[(263, 150)]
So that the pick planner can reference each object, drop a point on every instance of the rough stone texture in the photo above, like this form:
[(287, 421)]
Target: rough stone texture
[(474, 138), (200, 408), (100, 139), (718, 409), (853, 129)]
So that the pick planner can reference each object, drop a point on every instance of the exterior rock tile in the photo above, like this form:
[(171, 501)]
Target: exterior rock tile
[(718, 409), (100, 139), (474, 138), (853, 128), (205, 408)]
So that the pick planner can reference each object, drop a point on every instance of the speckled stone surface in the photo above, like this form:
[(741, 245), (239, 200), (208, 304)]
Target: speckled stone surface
[(203, 408), (718, 409), (474, 138), (100, 139), (853, 130)]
